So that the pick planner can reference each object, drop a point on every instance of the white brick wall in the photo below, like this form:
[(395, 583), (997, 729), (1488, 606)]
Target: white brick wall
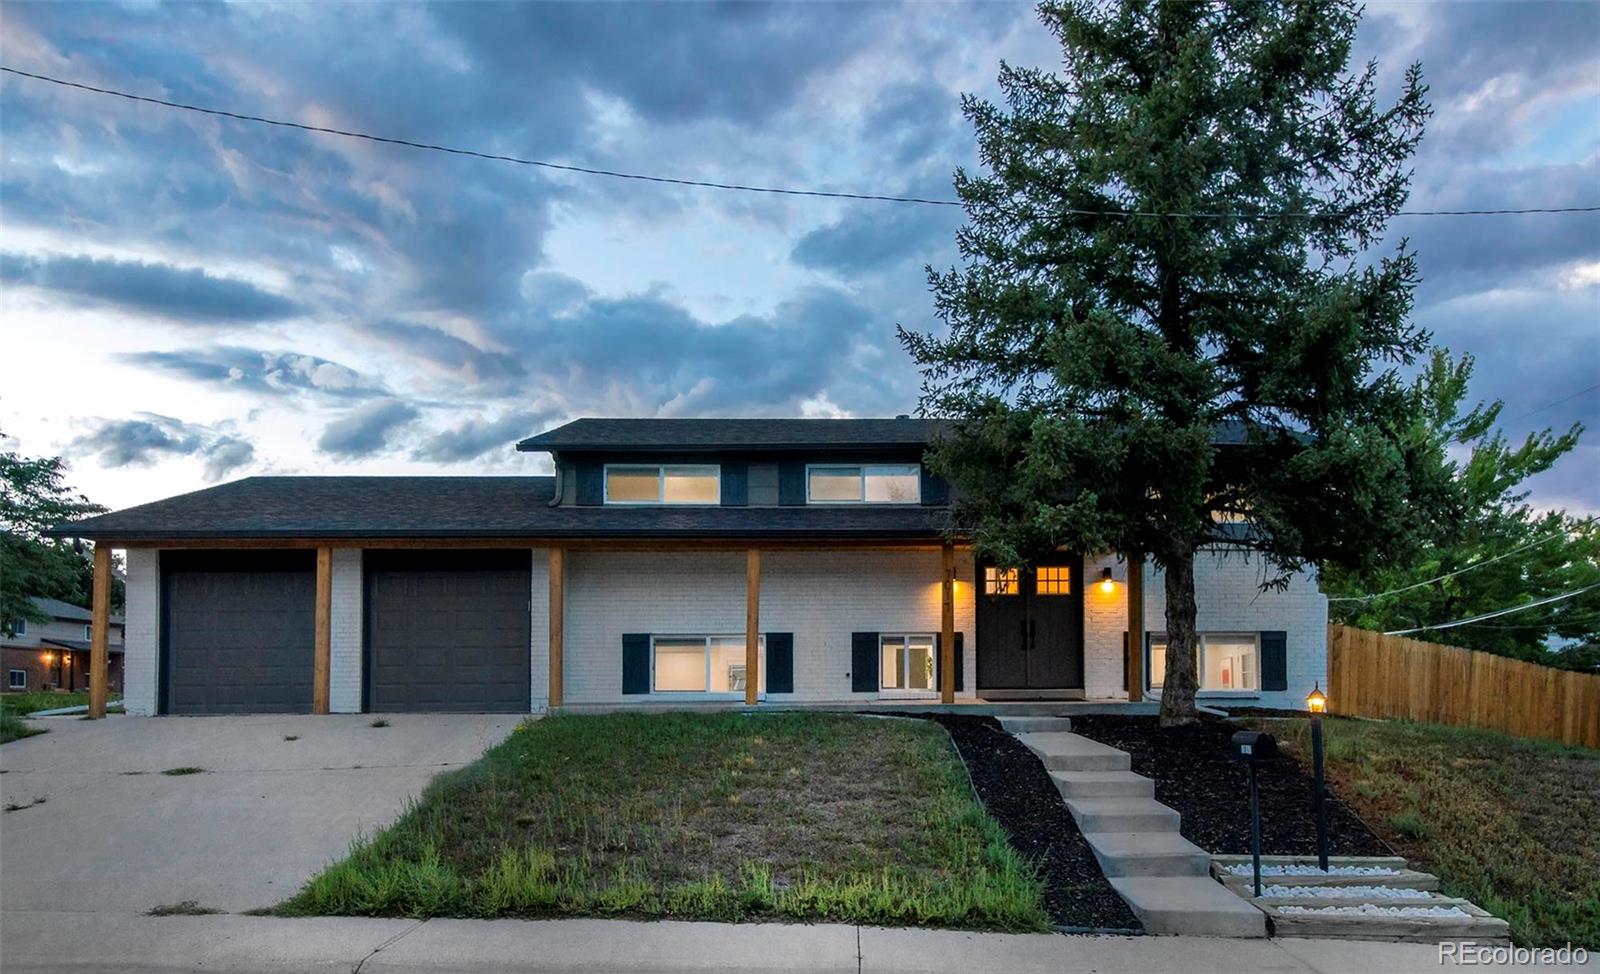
[(539, 632), (142, 616), (1228, 597), (344, 657), (820, 596)]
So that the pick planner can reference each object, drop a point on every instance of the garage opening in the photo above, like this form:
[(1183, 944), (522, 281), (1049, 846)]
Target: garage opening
[(238, 630), (447, 631)]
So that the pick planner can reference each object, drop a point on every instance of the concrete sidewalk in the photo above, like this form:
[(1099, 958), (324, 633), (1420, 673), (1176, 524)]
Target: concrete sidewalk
[(32, 943)]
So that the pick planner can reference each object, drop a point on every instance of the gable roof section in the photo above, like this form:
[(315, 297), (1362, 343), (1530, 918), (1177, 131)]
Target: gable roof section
[(705, 435), (66, 611), (470, 507)]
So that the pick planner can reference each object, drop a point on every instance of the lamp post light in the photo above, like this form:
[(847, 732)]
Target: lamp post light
[(1317, 703)]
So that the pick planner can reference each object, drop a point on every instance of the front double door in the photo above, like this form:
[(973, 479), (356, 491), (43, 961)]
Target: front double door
[(1030, 627)]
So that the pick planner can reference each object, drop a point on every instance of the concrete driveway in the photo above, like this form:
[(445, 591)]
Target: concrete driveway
[(111, 833)]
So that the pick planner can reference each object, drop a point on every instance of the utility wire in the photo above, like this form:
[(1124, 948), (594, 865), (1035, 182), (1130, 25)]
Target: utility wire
[(707, 184), (1459, 571), (1497, 613), (1552, 405)]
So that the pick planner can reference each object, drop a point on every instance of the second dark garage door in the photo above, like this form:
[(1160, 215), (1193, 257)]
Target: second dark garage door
[(447, 631)]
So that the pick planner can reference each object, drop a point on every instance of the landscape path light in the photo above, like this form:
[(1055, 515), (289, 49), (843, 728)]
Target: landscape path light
[(1317, 703)]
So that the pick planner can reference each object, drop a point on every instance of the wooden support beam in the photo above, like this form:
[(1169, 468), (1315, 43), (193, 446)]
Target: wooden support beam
[(100, 632), (322, 653), (558, 620), (947, 627), (1135, 647), (752, 625)]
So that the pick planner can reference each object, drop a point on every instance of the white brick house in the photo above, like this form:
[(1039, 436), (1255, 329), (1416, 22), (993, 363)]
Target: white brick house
[(670, 538)]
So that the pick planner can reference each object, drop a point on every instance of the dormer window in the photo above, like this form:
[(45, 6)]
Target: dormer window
[(656, 483), (879, 483)]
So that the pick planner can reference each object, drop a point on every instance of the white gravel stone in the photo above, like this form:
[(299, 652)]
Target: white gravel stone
[(1243, 869), (1373, 910), (1343, 892)]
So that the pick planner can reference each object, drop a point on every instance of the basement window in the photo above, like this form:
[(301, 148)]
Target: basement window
[(702, 664), (1229, 662), (663, 483), (881, 483)]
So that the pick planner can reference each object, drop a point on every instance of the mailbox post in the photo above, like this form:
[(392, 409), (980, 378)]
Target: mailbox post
[(1253, 747)]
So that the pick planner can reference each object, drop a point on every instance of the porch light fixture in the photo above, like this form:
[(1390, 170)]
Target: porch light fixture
[(1106, 584)]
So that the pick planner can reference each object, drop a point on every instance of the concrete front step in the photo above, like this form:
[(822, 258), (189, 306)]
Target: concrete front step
[(1072, 752), (1103, 784), (1147, 854), (1476, 926), (1189, 905), (1036, 725), (1404, 879), (1122, 815)]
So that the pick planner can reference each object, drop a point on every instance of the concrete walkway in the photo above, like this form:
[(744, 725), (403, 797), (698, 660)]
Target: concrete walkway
[(34, 945), (1164, 878)]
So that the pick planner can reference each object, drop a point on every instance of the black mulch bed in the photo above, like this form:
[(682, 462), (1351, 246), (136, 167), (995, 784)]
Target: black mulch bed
[(1016, 789), (1195, 774)]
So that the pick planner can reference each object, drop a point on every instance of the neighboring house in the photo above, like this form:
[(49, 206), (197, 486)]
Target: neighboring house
[(55, 654), (627, 578)]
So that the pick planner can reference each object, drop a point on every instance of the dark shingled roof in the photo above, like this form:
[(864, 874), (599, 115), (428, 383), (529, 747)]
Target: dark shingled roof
[(66, 610), (735, 434), (469, 507)]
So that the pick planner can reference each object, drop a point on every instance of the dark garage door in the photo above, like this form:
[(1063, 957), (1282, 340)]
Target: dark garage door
[(238, 630), (447, 631)]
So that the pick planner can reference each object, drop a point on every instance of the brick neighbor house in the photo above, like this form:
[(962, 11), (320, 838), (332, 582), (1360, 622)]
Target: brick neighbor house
[(54, 655)]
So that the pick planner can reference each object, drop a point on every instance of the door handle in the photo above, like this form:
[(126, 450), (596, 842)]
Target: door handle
[(1022, 626)]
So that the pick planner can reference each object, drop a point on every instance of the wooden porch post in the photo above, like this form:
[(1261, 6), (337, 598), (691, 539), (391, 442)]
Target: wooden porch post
[(558, 620), (947, 627), (1135, 647), (99, 631), (752, 625), (322, 654)]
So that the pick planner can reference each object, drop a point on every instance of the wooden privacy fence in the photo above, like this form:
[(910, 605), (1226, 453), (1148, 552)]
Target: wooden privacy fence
[(1373, 675)]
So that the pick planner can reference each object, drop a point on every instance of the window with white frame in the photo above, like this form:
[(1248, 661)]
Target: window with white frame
[(1229, 662), (18, 679), (19, 627), (907, 662), (702, 664), (663, 483), (871, 483)]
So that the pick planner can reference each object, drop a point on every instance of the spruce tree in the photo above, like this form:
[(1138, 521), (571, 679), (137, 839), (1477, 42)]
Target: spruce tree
[(1169, 330)]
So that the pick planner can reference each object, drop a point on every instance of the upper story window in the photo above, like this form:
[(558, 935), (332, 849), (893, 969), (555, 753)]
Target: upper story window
[(19, 627), (656, 483), (878, 483)]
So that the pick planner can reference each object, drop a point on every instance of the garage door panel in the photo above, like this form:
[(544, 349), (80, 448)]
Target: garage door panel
[(238, 639), (449, 638)]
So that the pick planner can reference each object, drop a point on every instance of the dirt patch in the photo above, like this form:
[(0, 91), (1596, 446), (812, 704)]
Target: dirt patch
[(1017, 791), (1195, 773)]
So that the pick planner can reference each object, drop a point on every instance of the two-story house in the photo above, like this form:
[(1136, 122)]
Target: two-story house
[(765, 561), (54, 655)]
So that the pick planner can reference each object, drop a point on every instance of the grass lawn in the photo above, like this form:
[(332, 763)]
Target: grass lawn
[(14, 705), (1506, 822), (714, 816)]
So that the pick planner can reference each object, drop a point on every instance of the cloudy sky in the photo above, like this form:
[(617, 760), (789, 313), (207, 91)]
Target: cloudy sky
[(187, 299)]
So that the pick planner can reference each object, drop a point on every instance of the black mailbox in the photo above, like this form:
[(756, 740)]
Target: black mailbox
[(1253, 746)]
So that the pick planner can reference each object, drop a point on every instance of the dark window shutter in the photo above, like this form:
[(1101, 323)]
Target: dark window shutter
[(792, 483), (1274, 659), (938, 661), (735, 484), (591, 483), (863, 662), (780, 662), (635, 662), (935, 490)]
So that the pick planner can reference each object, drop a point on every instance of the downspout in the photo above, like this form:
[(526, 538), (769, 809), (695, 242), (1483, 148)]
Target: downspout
[(555, 499)]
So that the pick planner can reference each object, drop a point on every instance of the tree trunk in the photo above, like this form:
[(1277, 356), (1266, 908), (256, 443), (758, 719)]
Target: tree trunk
[(1182, 678)]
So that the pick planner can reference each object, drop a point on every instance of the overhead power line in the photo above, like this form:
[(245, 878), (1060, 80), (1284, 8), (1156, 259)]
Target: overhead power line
[(737, 187), (1552, 405), (1496, 613), (1459, 571)]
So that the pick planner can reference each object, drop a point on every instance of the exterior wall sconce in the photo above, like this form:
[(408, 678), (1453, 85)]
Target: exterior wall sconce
[(1107, 585)]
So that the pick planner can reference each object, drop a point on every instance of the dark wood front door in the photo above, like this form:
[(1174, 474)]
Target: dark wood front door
[(1030, 626)]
